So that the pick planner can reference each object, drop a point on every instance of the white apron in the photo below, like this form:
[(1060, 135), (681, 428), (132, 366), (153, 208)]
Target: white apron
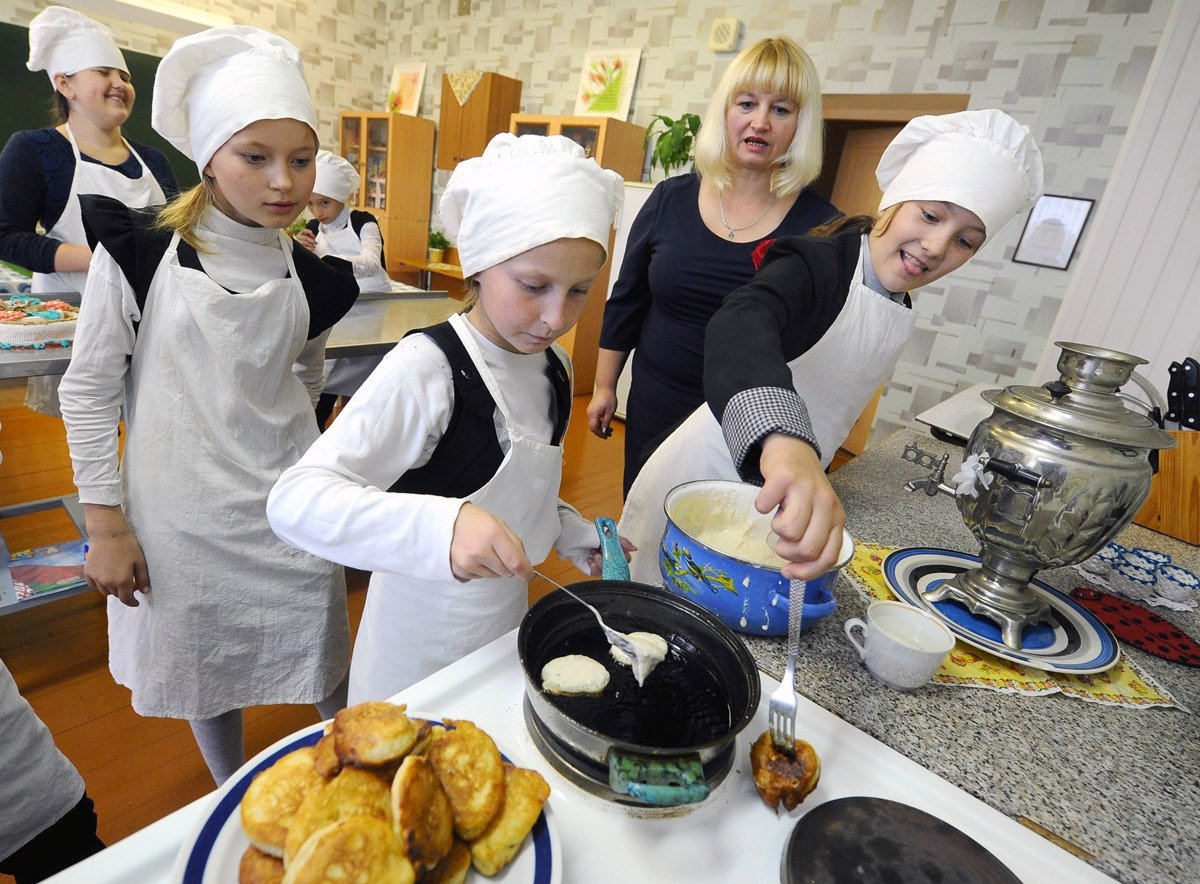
[(235, 617), (345, 376), (41, 393), (836, 378), (412, 628)]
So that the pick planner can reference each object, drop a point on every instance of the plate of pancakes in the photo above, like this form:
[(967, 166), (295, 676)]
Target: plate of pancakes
[(377, 794)]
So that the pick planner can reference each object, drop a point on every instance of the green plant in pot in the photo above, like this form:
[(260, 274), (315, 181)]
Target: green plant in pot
[(438, 243), (673, 148)]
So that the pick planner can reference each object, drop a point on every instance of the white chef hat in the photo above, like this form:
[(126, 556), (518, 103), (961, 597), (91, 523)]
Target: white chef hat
[(336, 178), (213, 84), (525, 192), (63, 41), (982, 160)]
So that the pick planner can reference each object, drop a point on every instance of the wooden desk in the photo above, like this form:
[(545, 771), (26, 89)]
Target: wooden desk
[(435, 277)]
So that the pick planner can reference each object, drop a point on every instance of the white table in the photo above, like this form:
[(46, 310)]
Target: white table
[(731, 837)]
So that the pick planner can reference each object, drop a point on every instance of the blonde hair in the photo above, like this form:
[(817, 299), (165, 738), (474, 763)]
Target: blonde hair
[(184, 213), (773, 64), (876, 225)]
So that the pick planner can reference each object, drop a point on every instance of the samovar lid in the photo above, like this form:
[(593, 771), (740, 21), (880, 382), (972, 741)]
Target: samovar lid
[(1096, 415)]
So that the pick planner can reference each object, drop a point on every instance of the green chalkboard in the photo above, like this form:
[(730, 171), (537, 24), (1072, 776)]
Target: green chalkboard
[(28, 99)]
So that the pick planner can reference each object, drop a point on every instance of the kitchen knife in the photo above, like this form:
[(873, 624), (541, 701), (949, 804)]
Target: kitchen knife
[(1189, 403), (1174, 391)]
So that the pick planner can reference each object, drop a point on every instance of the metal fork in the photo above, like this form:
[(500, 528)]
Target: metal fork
[(618, 639), (781, 711)]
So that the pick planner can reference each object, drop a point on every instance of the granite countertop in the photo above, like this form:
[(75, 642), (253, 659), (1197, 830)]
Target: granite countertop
[(1122, 784)]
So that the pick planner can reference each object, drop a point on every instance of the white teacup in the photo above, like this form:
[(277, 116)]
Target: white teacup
[(903, 646)]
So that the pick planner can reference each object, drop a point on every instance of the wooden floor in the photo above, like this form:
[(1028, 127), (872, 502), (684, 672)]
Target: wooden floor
[(140, 769)]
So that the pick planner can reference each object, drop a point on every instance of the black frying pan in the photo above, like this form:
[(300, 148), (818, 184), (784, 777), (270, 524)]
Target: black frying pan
[(695, 702)]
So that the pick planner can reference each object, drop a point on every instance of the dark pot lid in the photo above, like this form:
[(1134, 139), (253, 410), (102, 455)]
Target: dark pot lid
[(876, 841)]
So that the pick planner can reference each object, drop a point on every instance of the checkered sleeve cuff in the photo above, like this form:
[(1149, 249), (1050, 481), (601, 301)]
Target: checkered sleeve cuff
[(753, 415)]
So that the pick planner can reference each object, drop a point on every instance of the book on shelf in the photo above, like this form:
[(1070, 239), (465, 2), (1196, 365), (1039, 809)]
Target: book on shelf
[(47, 569)]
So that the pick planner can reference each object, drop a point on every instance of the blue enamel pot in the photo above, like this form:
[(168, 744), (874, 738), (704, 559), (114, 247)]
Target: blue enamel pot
[(716, 552)]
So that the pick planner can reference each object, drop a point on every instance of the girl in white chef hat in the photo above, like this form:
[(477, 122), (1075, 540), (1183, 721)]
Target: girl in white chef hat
[(43, 171), (193, 318), (793, 357), (441, 475), (336, 229)]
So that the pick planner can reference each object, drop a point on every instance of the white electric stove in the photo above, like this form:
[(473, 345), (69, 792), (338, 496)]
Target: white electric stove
[(730, 837)]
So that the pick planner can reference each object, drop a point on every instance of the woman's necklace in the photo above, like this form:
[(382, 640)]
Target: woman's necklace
[(735, 230)]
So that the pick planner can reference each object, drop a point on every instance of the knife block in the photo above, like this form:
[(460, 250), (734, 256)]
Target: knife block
[(1173, 506)]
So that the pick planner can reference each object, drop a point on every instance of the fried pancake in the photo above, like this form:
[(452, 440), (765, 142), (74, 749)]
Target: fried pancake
[(326, 759), (781, 777), (468, 765), (425, 733), (353, 850), (453, 868), (421, 814), (352, 792), (275, 795), (525, 791), (257, 867), (373, 733)]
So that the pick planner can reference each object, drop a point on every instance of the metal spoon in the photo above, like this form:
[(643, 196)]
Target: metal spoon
[(643, 663)]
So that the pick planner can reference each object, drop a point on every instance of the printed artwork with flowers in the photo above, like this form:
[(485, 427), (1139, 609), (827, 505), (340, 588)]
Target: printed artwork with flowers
[(606, 82)]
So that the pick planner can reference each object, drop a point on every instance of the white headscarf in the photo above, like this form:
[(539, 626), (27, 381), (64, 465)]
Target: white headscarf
[(982, 160), (336, 178), (63, 41), (525, 192), (211, 85)]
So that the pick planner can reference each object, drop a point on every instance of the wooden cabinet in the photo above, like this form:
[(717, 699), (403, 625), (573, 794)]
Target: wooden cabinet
[(394, 155), (615, 145), (464, 130)]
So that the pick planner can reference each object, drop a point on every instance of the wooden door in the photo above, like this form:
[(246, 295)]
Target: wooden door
[(855, 190)]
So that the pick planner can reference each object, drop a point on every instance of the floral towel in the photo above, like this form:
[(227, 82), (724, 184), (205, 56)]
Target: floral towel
[(1123, 685)]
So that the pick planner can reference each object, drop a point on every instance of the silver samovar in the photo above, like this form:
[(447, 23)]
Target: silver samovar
[(1060, 469)]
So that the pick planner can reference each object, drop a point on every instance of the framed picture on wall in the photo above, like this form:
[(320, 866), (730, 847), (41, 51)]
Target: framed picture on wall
[(1052, 231), (606, 82), (404, 92)]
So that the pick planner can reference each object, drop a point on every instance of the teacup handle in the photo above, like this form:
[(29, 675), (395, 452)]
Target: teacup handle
[(849, 630)]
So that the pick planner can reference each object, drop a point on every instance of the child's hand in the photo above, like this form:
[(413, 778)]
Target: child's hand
[(601, 410), (308, 239), (483, 546), (810, 517), (595, 559), (114, 565)]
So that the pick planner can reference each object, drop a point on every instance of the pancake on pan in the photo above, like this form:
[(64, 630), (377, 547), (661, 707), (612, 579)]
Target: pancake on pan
[(271, 801), (525, 791)]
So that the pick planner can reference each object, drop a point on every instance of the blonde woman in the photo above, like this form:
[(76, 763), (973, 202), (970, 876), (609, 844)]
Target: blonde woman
[(758, 149)]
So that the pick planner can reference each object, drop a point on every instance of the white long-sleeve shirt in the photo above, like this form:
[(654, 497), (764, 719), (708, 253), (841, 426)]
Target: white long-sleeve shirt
[(334, 502)]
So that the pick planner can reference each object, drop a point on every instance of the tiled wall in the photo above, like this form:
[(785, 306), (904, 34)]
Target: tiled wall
[(1070, 69)]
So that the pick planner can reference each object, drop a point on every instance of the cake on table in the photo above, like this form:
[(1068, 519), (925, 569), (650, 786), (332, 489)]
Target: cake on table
[(29, 323)]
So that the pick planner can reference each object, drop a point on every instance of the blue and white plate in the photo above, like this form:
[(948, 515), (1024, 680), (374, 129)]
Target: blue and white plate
[(213, 850), (1077, 644)]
